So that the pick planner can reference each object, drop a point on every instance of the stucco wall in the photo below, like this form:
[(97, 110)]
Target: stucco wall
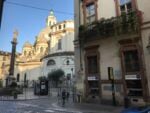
[(60, 63), (106, 8), (32, 71), (109, 57), (145, 39), (66, 43), (143, 5)]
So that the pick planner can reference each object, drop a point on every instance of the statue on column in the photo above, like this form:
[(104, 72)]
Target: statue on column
[(11, 77)]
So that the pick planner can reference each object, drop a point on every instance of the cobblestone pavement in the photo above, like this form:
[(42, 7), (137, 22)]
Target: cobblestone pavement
[(50, 105), (25, 107)]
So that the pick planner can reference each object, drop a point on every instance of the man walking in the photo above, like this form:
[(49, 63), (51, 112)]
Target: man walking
[(63, 97)]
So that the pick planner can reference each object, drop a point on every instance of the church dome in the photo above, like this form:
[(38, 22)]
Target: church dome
[(27, 44), (41, 40)]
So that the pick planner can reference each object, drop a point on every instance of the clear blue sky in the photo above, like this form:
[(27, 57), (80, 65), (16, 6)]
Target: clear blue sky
[(29, 21)]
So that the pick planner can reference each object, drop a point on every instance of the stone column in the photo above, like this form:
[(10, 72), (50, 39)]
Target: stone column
[(11, 78)]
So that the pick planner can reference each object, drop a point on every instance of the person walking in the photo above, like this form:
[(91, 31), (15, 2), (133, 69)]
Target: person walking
[(68, 96), (63, 97)]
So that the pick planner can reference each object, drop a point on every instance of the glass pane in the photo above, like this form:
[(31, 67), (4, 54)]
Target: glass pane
[(91, 19), (90, 10), (129, 7), (122, 8), (92, 64), (131, 61), (122, 2)]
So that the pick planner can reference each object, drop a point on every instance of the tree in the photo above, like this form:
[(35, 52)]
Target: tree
[(42, 78), (55, 76)]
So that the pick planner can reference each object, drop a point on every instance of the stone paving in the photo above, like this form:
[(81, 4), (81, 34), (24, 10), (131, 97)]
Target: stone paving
[(51, 104)]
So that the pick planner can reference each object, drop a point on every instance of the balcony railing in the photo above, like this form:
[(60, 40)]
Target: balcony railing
[(115, 26)]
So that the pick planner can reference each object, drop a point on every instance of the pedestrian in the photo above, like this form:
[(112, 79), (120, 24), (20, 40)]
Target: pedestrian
[(63, 97), (68, 96)]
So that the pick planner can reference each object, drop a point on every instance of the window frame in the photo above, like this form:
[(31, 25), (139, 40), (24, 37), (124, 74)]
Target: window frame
[(84, 6), (118, 10), (51, 62), (59, 47)]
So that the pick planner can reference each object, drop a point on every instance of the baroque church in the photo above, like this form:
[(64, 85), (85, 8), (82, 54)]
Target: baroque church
[(53, 49)]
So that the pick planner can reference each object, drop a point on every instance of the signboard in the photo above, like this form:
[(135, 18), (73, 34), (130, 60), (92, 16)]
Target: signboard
[(131, 77), (92, 78), (110, 73)]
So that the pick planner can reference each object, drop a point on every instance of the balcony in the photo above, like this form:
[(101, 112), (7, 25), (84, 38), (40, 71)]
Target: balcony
[(125, 24)]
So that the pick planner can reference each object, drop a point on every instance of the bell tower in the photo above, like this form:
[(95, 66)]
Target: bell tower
[(51, 20)]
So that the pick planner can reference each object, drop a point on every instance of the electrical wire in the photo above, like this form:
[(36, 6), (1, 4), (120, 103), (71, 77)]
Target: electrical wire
[(38, 8)]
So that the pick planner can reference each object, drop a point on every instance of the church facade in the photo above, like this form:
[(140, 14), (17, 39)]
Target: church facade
[(54, 44)]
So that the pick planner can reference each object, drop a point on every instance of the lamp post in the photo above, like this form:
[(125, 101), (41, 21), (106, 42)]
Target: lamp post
[(74, 91)]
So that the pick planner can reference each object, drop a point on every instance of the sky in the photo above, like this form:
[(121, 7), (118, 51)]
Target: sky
[(30, 21)]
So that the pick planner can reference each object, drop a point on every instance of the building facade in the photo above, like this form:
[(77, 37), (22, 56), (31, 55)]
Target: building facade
[(4, 61), (112, 35), (28, 64), (52, 47), (61, 47)]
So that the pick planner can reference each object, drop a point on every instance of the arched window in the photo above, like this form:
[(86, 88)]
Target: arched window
[(59, 44), (51, 62), (18, 77), (67, 62), (4, 58), (41, 49), (25, 53), (30, 53), (50, 23)]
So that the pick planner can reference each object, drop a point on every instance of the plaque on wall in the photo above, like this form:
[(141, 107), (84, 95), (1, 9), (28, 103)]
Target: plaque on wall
[(131, 77), (92, 78)]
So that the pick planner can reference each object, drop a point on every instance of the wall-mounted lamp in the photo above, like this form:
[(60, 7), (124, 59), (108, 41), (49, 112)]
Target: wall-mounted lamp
[(148, 46)]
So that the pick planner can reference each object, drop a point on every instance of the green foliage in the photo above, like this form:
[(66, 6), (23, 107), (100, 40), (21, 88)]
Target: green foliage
[(55, 76), (42, 78), (13, 85), (126, 23)]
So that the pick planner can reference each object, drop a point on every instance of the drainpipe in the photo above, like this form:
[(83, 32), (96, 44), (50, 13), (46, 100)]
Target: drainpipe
[(81, 66)]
